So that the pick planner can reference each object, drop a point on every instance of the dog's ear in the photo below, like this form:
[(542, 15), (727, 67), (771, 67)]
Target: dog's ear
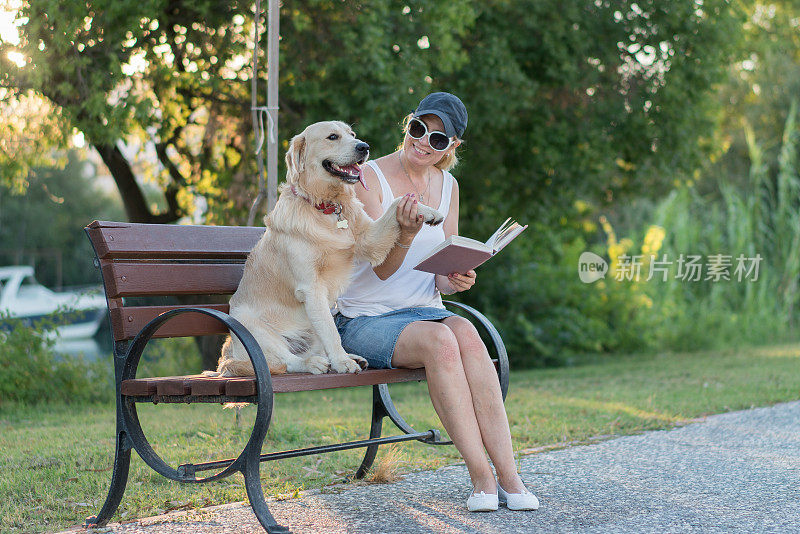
[(296, 156)]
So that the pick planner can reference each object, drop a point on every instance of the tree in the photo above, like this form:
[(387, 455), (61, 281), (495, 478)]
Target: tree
[(760, 87), (594, 101), (606, 97), (176, 73)]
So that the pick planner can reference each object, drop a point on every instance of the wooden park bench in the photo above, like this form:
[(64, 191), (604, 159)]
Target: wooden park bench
[(146, 260)]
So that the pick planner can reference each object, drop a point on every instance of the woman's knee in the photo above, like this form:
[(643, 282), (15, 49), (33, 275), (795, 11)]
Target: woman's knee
[(427, 343), (467, 336), (445, 344), (439, 347)]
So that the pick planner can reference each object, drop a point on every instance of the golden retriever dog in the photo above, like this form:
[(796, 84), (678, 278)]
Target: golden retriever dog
[(303, 262)]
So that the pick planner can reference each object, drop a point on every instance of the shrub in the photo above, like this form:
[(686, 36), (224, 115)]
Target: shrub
[(533, 295), (32, 372)]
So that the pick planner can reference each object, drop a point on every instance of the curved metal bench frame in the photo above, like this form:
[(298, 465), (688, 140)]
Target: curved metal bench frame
[(129, 434)]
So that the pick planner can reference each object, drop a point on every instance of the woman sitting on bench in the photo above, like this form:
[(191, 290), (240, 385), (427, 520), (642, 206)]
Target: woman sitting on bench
[(393, 315)]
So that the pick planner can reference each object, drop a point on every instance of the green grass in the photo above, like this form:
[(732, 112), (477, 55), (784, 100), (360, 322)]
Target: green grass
[(56, 460)]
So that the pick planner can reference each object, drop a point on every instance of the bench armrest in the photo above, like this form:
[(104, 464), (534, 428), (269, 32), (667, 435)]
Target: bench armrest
[(264, 394)]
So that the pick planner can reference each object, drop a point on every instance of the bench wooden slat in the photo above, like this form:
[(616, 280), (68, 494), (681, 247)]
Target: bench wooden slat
[(117, 240), (308, 382), (242, 387), (173, 386), (128, 321), (207, 385), (131, 279), (162, 385), (246, 386)]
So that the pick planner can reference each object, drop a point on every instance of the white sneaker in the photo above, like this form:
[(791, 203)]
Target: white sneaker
[(518, 501), (482, 502)]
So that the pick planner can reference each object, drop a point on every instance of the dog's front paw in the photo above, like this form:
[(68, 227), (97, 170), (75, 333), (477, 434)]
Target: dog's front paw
[(345, 365), (359, 360), (430, 215), (316, 365)]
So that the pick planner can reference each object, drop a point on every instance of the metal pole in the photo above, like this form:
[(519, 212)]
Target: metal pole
[(258, 123), (272, 104)]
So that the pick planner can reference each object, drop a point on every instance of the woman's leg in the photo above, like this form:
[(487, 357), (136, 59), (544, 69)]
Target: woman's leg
[(487, 400), (434, 346)]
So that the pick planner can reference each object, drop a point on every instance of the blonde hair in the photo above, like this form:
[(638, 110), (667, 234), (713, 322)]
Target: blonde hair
[(447, 162)]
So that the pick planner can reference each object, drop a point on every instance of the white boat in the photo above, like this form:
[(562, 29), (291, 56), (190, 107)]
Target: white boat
[(75, 314)]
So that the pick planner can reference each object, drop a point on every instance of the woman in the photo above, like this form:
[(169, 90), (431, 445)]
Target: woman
[(393, 315)]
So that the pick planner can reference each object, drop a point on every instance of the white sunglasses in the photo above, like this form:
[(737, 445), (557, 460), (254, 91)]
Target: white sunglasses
[(437, 140)]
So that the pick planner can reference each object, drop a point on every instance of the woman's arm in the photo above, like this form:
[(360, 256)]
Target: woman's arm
[(454, 282), (407, 217)]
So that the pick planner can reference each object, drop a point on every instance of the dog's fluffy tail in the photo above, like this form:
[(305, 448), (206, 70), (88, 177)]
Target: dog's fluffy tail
[(229, 367)]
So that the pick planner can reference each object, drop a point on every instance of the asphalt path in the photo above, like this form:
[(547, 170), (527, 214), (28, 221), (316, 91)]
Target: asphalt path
[(729, 473)]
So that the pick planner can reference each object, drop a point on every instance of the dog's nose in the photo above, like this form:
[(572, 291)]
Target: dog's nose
[(362, 148)]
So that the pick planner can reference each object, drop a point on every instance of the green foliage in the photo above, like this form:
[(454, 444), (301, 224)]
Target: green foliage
[(760, 218), (635, 78), (32, 373), (545, 314), (759, 89), (578, 102), (599, 101), (31, 132), (170, 357), (43, 226)]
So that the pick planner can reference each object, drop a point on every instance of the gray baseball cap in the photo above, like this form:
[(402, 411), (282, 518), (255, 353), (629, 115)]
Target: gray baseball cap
[(447, 107)]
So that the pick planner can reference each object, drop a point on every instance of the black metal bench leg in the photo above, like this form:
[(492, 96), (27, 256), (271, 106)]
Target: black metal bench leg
[(119, 479), (252, 483), (378, 413)]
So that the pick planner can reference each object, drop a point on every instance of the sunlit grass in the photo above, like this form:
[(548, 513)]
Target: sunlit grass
[(56, 460)]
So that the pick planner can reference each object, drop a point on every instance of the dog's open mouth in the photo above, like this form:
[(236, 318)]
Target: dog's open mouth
[(347, 173)]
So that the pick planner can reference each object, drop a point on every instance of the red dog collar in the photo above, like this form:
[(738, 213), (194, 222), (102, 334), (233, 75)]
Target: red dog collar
[(328, 208)]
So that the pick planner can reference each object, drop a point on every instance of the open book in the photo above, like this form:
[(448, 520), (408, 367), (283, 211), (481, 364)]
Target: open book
[(459, 254)]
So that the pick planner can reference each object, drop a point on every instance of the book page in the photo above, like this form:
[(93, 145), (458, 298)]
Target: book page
[(467, 242), (508, 237), (503, 236), (493, 239)]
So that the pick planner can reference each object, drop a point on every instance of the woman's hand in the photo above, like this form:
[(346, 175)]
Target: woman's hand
[(461, 282), (408, 218)]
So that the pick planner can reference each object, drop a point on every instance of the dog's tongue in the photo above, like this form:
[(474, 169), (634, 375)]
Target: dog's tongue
[(356, 169), (361, 177)]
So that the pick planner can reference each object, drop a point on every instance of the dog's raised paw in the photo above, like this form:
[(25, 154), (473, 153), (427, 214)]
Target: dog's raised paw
[(317, 365), (436, 221), (431, 216)]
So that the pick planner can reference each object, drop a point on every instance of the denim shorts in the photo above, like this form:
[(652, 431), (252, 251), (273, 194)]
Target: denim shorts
[(374, 337)]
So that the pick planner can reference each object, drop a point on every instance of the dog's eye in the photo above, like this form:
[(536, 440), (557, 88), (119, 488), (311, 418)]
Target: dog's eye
[(333, 137)]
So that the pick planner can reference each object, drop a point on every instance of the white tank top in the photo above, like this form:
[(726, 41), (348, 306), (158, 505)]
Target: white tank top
[(369, 295)]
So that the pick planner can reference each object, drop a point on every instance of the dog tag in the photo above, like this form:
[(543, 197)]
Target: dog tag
[(341, 224)]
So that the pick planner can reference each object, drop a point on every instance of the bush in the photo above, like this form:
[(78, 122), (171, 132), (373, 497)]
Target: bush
[(32, 372), (533, 295), (170, 357)]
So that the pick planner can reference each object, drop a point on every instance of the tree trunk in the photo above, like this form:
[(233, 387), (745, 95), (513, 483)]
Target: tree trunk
[(137, 211), (135, 205), (132, 197)]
